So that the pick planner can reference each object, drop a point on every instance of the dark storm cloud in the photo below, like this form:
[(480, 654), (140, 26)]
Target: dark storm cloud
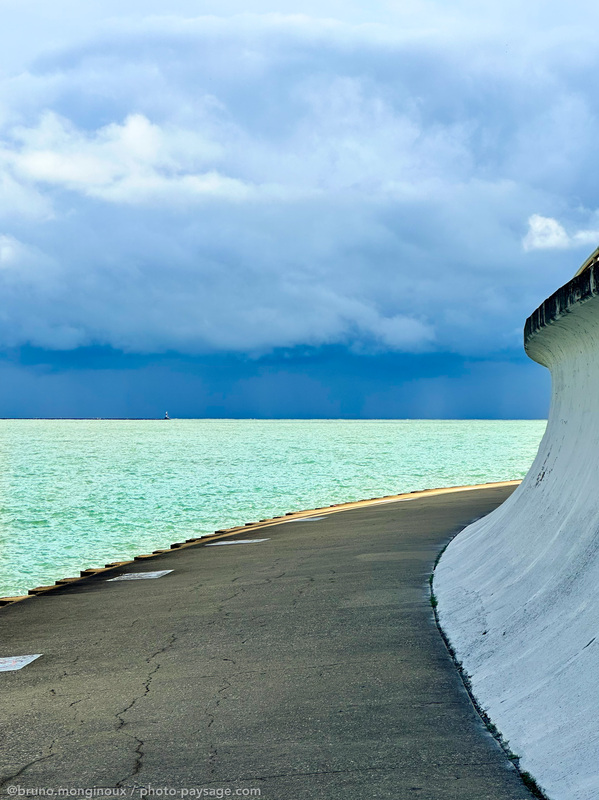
[(257, 182), (328, 382)]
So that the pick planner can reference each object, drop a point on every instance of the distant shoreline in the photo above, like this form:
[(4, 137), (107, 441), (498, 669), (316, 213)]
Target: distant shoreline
[(275, 419)]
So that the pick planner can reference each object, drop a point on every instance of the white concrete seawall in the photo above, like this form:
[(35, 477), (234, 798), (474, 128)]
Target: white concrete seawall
[(518, 591)]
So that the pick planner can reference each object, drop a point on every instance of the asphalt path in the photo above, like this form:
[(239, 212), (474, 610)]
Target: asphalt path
[(305, 666)]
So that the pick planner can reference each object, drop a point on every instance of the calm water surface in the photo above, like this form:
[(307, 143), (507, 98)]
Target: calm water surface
[(80, 493)]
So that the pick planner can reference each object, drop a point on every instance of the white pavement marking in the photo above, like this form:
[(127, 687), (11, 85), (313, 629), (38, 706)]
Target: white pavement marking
[(13, 663), (306, 519), (238, 541), (140, 576)]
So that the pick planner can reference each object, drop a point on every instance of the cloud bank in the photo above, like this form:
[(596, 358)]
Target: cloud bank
[(271, 180)]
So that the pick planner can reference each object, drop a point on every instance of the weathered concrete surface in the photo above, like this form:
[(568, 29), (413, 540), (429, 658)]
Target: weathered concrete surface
[(307, 666), (583, 287), (518, 591)]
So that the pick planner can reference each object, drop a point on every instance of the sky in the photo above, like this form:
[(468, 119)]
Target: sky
[(309, 209)]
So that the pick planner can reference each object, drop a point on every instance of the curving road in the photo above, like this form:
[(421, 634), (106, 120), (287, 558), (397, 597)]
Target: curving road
[(304, 666)]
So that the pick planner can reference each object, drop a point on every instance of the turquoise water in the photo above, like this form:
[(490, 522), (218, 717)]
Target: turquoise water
[(80, 493)]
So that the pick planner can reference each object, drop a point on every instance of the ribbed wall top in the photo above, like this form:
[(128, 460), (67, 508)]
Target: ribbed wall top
[(580, 289)]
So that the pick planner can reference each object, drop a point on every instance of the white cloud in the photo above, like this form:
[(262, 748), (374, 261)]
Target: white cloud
[(546, 233), (57, 152), (132, 162), (589, 237)]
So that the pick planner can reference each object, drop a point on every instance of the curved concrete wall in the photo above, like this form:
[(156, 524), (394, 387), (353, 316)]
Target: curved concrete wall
[(518, 591)]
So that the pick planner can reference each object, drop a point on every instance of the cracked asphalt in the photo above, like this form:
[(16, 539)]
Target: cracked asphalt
[(306, 666)]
